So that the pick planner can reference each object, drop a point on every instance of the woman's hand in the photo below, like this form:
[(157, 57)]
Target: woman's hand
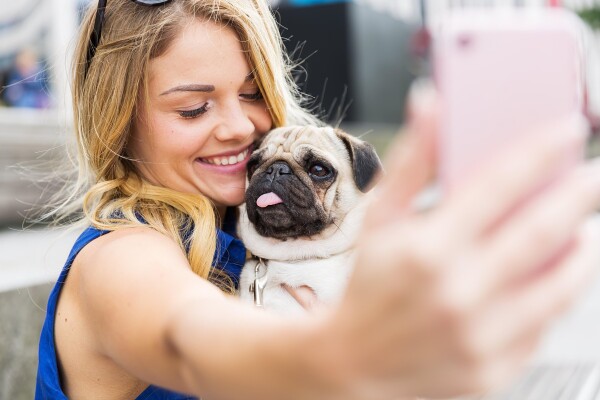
[(304, 295), (454, 300)]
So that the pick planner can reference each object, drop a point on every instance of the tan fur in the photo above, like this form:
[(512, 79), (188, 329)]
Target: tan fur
[(323, 261)]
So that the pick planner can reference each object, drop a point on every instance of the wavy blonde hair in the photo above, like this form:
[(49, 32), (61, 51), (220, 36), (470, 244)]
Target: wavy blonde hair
[(109, 191)]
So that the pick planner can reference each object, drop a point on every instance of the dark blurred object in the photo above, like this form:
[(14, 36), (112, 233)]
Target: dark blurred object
[(305, 3), (26, 82), (3, 79), (591, 16), (357, 59)]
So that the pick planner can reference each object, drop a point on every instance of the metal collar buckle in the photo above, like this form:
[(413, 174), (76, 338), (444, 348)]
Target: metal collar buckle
[(260, 282)]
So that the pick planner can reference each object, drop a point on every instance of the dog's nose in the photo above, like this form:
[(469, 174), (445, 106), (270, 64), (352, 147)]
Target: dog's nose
[(277, 169)]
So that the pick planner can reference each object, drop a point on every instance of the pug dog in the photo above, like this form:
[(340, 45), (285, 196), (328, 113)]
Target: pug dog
[(306, 193)]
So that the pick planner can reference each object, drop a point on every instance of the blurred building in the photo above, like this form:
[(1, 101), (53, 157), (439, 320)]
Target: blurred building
[(360, 59), (35, 36), (44, 29)]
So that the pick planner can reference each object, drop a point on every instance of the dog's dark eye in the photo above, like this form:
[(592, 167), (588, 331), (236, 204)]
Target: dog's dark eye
[(319, 171)]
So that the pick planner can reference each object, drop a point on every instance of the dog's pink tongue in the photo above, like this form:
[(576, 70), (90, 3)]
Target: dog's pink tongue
[(268, 199)]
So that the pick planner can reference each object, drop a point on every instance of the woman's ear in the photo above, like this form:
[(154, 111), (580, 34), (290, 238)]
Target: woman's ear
[(366, 166)]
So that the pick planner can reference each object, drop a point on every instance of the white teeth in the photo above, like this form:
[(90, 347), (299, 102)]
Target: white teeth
[(227, 160)]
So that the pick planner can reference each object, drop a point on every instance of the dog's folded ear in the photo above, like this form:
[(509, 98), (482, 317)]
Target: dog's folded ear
[(366, 166)]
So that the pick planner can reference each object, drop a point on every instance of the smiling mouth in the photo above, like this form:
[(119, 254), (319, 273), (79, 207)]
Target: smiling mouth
[(227, 160)]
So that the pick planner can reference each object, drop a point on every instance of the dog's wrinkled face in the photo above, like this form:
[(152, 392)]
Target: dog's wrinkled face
[(301, 180)]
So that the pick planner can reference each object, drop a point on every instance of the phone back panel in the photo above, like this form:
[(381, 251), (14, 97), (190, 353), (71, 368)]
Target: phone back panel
[(499, 77)]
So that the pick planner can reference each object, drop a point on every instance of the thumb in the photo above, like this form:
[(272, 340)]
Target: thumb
[(411, 160)]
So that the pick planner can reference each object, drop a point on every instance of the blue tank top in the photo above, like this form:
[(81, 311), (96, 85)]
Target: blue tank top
[(230, 256)]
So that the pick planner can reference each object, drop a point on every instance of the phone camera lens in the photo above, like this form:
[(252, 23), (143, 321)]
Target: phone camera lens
[(463, 41)]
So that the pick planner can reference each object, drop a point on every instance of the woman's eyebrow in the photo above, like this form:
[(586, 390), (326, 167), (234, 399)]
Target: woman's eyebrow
[(190, 88)]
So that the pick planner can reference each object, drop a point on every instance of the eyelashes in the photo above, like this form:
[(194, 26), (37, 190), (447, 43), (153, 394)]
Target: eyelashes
[(190, 114), (253, 96)]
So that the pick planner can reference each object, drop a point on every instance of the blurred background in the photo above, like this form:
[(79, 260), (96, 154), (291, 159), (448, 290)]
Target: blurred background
[(359, 59)]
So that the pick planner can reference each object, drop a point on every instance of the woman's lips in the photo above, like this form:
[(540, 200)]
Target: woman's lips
[(228, 158), (228, 164)]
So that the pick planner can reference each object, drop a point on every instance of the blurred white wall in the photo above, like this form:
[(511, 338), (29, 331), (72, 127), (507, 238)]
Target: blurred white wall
[(23, 23)]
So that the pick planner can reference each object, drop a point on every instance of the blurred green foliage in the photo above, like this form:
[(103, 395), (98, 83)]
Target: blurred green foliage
[(591, 16)]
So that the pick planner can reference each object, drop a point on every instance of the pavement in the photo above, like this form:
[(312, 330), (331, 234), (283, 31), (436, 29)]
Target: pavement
[(32, 257), (30, 262)]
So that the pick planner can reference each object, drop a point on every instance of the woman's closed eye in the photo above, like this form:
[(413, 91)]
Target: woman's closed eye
[(252, 96), (188, 114)]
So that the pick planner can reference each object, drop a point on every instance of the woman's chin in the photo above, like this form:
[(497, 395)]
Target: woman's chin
[(232, 199)]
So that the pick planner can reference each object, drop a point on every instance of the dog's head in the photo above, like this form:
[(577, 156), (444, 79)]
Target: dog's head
[(304, 180)]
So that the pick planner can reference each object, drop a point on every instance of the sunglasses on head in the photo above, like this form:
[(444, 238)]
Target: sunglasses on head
[(99, 21)]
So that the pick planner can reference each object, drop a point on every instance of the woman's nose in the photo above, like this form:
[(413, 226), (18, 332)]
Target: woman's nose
[(236, 123)]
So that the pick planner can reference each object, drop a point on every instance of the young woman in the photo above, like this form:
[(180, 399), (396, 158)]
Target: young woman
[(168, 100)]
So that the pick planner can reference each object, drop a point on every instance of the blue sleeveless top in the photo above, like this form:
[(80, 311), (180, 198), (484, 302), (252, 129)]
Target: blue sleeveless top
[(230, 256)]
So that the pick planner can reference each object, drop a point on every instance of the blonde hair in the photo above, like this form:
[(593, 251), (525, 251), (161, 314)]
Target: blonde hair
[(110, 190)]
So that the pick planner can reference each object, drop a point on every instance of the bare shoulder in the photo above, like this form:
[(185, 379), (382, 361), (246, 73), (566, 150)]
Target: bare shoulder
[(119, 262), (122, 292), (120, 296), (128, 282), (131, 263), (128, 244)]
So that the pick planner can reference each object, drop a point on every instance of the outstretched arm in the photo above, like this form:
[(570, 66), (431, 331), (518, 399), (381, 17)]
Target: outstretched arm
[(164, 325), (441, 303)]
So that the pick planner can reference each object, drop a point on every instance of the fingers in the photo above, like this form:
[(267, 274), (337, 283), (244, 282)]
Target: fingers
[(527, 310), (539, 233), (489, 375), (410, 161), (491, 194), (496, 344), (550, 294), (498, 314), (534, 238), (304, 295)]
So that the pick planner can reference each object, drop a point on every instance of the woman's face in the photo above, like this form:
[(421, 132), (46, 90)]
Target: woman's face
[(203, 113)]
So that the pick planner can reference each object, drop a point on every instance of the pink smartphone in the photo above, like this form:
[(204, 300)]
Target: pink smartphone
[(499, 75)]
